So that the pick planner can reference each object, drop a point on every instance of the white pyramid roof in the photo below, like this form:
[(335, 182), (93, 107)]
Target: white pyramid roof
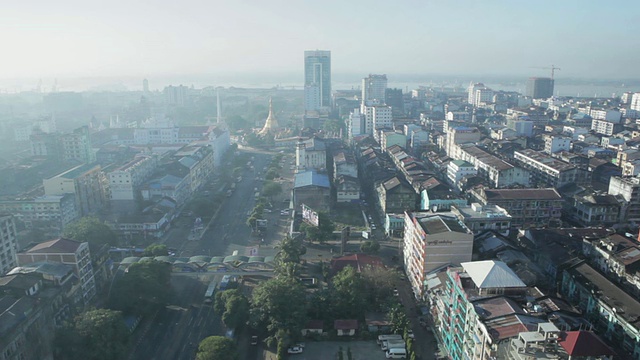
[(492, 274)]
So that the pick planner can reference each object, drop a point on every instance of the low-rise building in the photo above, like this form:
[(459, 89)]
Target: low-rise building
[(51, 212), (480, 218), (629, 189), (597, 210), (312, 189), (174, 187), (458, 169), (613, 312), (546, 170), (395, 195), (125, 180), (347, 189), (498, 172), (527, 207), (86, 182)]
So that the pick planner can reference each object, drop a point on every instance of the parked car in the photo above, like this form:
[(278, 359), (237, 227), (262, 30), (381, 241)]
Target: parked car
[(410, 334), (295, 350), (254, 340)]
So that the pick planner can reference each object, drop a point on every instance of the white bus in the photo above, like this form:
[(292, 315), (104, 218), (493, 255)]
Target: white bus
[(211, 292)]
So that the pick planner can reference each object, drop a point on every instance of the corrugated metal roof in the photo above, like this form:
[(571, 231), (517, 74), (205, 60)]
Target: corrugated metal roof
[(492, 274), (311, 178)]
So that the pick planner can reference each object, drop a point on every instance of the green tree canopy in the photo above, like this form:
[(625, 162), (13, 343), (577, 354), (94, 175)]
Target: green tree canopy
[(370, 247), (349, 294), (156, 250), (291, 250), (233, 306), (93, 335), (271, 174), (143, 288), (217, 348), (279, 306), (91, 230), (271, 189), (321, 233)]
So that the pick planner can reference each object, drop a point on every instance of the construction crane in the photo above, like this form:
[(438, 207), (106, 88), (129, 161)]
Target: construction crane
[(553, 69)]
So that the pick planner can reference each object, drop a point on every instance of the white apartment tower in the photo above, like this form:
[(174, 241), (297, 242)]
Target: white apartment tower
[(478, 93)]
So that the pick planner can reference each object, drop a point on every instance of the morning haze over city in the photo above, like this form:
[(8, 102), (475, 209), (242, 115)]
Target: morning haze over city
[(262, 180)]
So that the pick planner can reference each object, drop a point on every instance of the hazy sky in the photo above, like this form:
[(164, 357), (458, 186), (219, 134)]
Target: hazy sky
[(65, 38)]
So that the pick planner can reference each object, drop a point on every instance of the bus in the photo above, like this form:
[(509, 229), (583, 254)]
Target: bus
[(210, 293)]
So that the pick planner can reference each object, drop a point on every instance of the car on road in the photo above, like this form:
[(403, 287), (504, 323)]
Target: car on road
[(410, 334), (295, 350), (254, 340)]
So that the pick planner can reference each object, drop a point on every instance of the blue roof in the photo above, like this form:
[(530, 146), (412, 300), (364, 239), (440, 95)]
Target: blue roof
[(311, 178)]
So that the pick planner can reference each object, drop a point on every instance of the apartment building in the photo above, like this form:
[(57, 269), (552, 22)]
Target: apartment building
[(554, 144), (86, 182), (613, 312), (8, 243), (125, 180), (458, 135), (311, 154), (496, 171), (480, 218), (527, 207), (50, 211), (395, 195), (629, 189), (76, 146), (457, 170), (605, 127), (65, 251), (199, 162), (546, 170), (431, 242), (474, 308)]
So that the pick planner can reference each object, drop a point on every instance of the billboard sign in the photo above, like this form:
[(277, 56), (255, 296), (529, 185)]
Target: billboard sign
[(309, 215)]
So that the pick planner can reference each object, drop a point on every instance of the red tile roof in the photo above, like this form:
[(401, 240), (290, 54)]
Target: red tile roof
[(584, 343)]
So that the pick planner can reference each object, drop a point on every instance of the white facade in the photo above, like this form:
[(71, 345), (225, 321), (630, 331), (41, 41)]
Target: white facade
[(431, 242), (602, 127), (8, 243), (311, 154), (382, 117), (553, 144), (635, 102), (478, 91), (606, 114), (312, 97), (574, 131), (356, 124), (123, 181), (458, 169), (461, 135)]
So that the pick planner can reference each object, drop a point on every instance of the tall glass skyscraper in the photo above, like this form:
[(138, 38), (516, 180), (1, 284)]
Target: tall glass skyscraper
[(317, 79)]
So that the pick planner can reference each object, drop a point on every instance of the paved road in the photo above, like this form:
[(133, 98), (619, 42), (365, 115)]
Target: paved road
[(175, 332)]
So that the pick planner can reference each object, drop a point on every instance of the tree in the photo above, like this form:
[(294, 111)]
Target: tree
[(217, 348), (379, 283), (322, 232), (156, 250), (233, 306), (399, 321), (91, 230), (291, 250), (349, 294), (370, 247), (93, 335), (143, 288), (279, 306), (271, 174), (271, 189)]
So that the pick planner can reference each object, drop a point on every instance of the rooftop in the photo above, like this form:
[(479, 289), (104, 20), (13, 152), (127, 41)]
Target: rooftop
[(626, 305), (584, 343), (77, 171), (436, 224), (311, 178), (486, 158), (57, 246), (545, 160), (492, 274), (522, 194)]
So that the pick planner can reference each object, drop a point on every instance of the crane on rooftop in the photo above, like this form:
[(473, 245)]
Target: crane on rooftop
[(553, 69)]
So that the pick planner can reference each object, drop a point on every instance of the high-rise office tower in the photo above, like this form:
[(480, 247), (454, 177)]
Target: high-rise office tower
[(373, 88), (540, 88), (317, 79), (145, 86)]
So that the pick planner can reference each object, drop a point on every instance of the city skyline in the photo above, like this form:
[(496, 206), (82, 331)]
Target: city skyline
[(74, 39)]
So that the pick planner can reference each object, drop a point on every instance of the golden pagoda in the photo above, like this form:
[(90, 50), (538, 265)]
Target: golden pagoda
[(271, 125)]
